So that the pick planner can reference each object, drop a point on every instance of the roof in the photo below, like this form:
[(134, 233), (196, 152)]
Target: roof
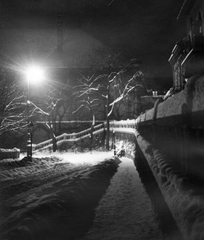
[(189, 6)]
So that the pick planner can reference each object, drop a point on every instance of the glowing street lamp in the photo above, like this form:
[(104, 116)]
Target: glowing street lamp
[(34, 75)]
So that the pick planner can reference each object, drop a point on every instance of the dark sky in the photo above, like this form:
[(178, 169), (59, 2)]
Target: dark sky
[(143, 29)]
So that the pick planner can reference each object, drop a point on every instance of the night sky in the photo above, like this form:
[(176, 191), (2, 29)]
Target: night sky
[(142, 29)]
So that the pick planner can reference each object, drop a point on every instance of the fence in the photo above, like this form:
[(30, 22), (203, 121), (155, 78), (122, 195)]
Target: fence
[(115, 126)]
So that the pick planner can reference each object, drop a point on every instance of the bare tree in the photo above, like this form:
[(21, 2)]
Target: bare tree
[(87, 97), (51, 109), (12, 104), (116, 90), (48, 106), (86, 94), (125, 92)]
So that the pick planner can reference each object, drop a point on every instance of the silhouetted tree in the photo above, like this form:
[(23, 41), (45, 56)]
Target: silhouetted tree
[(12, 104), (51, 109)]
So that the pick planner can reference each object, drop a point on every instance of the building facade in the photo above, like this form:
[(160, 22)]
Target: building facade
[(187, 58)]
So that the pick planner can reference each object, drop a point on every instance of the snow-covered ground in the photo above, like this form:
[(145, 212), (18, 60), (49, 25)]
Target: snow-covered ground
[(125, 211), (75, 196), (93, 157), (41, 198)]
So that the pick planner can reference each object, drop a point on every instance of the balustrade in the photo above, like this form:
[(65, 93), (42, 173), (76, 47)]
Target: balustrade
[(116, 125)]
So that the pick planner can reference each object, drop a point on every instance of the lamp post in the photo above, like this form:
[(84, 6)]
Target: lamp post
[(29, 138), (34, 74), (107, 117)]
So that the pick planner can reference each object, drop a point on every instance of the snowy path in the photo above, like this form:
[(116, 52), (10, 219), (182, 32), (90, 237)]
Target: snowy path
[(125, 211)]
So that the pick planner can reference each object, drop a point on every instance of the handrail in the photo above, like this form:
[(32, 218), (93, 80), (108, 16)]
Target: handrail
[(67, 137), (73, 137)]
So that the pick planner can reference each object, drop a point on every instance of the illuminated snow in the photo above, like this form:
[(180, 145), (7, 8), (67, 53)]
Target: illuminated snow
[(79, 158)]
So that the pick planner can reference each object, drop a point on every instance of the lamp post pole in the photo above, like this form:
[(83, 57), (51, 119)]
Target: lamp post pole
[(34, 74), (29, 140)]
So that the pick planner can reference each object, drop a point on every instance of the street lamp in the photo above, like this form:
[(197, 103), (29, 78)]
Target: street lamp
[(34, 74)]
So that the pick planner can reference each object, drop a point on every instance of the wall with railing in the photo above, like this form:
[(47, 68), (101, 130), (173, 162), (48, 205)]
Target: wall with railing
[(170, 137)]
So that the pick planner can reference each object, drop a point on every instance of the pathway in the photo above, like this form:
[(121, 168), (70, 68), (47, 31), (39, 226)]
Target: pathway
[(125, 211)]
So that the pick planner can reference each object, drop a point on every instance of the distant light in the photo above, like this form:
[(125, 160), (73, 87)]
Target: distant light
[(35, 74)]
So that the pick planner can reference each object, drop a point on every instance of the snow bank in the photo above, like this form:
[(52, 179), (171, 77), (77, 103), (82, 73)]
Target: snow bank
[(92, 157), (192, 96), (61, 209), (9, 153), (183, 196), (11, 169)]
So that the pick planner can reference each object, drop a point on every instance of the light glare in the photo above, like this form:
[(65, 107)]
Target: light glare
[(35, 74)]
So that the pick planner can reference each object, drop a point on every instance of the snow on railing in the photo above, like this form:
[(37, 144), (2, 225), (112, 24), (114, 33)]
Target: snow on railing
[(117, 126), (9, 153), (72, 137)]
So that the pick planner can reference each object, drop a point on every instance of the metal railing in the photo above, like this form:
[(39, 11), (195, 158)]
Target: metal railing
[(117, 126)]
